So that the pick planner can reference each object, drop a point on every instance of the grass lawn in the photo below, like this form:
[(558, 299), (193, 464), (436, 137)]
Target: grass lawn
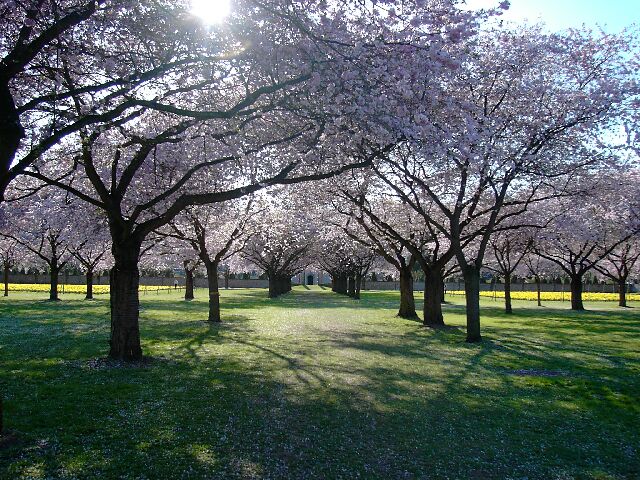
[(313, 385)]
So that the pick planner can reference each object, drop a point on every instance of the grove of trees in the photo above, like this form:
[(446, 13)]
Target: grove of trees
[(390, 136)]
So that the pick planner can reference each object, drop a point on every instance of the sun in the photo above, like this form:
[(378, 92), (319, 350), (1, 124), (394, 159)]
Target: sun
[(211, 12)]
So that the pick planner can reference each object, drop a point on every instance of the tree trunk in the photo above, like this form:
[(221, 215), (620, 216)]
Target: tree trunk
[(214, 292), (538, 290), (351, 286), (6, 279), (188, 284), (471, 275), (432, 310), (342, 284), (54, 274), (278, 285), (622, 292), (11, 132), (407, 300), (358, 286), (226, 279), (576, 292), (273, 285), (507, 294), (125, 280), (89, 278)]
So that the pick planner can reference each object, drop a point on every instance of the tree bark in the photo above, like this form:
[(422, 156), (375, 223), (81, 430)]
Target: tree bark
[(11, 132), (351, 286), (358, 286), (54, 275), (278, 284), (538, 290), (432, 309), (342, 284), (6, 279), (576, 292), (188, 284), (89, 278), (507, 294), (471, 274), (214, 292), (407, 300), (125, 280), (622, 292), (273, 285)]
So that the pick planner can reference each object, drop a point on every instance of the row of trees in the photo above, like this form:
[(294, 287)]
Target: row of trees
[(595, 234)]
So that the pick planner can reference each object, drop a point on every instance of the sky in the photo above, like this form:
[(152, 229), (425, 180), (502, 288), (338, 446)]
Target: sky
[(611, 15)]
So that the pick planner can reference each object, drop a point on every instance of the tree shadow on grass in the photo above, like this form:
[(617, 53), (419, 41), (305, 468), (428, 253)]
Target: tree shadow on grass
[(368, 402), (224, 419)]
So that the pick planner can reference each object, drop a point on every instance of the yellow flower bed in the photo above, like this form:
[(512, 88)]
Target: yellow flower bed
[(97, 289), (553, 296)]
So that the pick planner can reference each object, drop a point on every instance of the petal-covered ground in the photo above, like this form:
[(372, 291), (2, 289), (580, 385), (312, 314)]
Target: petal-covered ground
[(313, 385)]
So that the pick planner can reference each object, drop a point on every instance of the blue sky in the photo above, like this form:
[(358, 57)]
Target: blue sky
[(611, 15)]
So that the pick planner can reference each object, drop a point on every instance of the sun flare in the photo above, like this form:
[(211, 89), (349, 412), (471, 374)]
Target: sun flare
[(211, 12)]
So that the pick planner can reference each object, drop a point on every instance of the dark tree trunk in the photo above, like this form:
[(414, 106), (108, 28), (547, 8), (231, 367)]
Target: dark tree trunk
[(576, 293), (278, 285), (226, 279), (342, 284), (538, 290), (6, 279), (54, 275), (188, 284), (11, 132), (273, 285), (622, 292), (89, 278), (442, 299), (356, 294), (407, 300), (432, 310), (471, 275), (351, 286), (124, 281), (214, 292), (507, 294)]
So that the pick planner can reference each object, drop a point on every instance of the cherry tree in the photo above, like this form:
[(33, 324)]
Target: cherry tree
[(43, 227), (90, 243), (67, 65), (538, 268), (400, 234), (620, 264), (345, 258), (524, 109), (214, 234), (509, 248), (586, 230), (281, 245), (9, 254)]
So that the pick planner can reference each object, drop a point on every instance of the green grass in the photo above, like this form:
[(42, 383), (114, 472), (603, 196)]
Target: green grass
[(313, 385)]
